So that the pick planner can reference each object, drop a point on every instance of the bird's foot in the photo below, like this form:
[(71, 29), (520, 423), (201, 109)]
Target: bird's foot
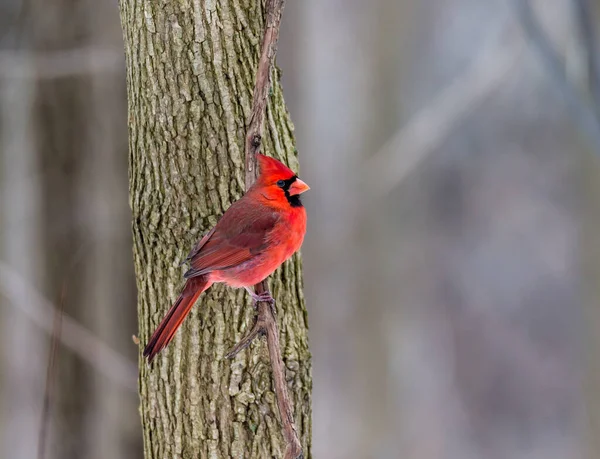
[(264, 296)]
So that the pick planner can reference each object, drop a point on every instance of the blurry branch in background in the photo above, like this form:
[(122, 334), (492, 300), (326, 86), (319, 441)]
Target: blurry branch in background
[(22, 295), (48, 389), (579, 109), (428, 128), (59, 64), (53, 353), (585, 18)]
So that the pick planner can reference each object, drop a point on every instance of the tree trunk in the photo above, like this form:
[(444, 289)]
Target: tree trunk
[(190, 72)]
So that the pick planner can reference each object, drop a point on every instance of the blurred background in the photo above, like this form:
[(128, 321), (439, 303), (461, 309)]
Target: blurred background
[(452, 257)]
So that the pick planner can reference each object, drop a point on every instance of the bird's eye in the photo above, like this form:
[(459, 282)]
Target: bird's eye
[(280, 183)]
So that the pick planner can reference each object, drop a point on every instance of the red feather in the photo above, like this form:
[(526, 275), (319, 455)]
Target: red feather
[(171, 322), (238, 236)]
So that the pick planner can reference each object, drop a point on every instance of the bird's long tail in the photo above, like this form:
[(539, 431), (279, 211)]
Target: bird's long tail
[(174, 318)]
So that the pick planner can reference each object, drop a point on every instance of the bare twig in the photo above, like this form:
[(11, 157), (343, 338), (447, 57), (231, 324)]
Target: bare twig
[(274, 8), (78, 339), (265, 320)]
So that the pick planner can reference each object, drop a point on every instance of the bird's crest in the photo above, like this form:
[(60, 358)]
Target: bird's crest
[(272, 168)]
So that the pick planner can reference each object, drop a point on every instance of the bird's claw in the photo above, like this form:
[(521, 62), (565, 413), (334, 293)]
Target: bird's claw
[(267, 298), (263, 296)]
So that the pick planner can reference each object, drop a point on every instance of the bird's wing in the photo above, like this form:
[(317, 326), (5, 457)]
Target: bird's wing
[(238, 236)]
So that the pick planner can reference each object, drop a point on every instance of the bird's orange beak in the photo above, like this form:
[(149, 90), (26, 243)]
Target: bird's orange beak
[(298, 187)]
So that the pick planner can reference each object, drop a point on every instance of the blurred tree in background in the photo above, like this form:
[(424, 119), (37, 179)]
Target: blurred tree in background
[(65, 221)]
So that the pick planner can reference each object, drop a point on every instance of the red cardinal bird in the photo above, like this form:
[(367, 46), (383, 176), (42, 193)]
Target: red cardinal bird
[(252, 239)]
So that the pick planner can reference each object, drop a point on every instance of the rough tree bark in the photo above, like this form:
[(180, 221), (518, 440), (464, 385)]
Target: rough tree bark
[(190, 71)]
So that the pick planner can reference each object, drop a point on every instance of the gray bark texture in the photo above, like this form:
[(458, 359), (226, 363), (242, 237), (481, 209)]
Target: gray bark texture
[(190, 75)]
